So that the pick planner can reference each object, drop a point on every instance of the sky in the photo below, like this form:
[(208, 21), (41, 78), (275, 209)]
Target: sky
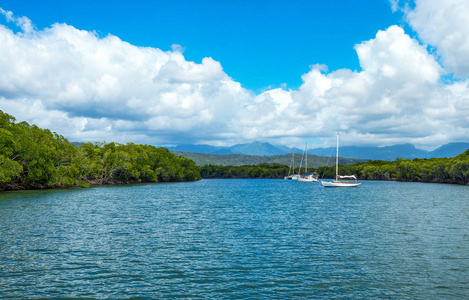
[(380, 72)]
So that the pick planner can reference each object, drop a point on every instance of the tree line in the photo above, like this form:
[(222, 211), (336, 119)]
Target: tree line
[(32, 158), (263, 170), (439, 170)]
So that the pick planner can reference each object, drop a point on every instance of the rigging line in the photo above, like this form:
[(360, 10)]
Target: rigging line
[(327, 165)]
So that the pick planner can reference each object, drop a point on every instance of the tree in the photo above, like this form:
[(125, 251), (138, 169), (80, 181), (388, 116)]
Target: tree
[(31, 157)]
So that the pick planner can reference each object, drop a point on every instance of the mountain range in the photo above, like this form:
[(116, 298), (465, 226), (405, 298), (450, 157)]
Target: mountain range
[(390, 153)]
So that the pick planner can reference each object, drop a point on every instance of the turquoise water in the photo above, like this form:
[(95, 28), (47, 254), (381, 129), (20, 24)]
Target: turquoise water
[(226, 239)]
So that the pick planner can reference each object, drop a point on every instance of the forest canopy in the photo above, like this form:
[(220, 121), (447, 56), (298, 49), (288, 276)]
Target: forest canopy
[(32, 158), (438, 170), (442, 170)]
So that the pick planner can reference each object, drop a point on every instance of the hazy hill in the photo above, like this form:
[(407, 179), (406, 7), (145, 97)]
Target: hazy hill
[(202, 159), (254, 148), (196, 148), (406, 151), (449, 150), (390, 153)]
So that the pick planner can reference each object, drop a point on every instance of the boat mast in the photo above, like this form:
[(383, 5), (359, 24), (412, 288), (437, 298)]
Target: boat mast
[(292, 164), (301, 163), (306, 159), (337, 159)]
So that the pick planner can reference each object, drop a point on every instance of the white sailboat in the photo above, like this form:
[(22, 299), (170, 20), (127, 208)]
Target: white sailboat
[(337, 182), (307, 177), (292, 170)]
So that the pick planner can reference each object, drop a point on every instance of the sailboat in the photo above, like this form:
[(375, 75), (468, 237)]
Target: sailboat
[(292, 170), (308, 177), (337, 182)]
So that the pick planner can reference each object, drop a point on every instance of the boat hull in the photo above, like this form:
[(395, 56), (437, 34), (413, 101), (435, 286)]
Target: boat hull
[(339, 184), (300, 179)]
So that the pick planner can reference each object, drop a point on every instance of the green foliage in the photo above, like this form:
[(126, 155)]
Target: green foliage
[(443, 170), (109, 163), (263, 170), (31, 157), (9, 170), (44, 157)]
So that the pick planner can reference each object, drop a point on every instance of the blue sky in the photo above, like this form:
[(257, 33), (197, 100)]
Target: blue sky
[(380, 72), (261, 44)]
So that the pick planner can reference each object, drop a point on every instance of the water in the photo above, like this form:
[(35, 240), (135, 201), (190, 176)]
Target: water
[(226, 239)]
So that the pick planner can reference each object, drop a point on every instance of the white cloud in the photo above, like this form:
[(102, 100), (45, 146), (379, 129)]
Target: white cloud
[(390, 101), (24, 23), (89, 88), (394, 5), (395, 56), (107, 80), (444, 25)]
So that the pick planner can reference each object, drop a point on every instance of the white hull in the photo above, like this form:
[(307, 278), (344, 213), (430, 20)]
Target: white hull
[(339, 184), (307, 179), (291, 177)]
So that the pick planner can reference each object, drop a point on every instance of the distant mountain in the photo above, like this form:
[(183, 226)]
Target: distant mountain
[(290, 150), (254, 148), (202, 159), (390, 153), (449, 150), (406, 151), (196, 148)]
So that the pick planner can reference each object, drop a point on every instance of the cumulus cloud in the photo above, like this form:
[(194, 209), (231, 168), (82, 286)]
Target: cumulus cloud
[(394, 99), (444, 25), (108, 80), (89, 88)]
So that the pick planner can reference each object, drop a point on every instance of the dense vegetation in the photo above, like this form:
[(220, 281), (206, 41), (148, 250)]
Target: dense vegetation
[(442, 170), (31, 158), (264, 170), (314, 161)]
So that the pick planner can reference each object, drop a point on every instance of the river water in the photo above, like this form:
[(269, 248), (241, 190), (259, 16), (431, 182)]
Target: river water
[(231, 239)]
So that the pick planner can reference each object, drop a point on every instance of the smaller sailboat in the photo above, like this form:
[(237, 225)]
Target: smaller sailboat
[(291, 171), (337, 182), (308, 177)]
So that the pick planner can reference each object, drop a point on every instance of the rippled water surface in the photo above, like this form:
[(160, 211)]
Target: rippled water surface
[(224, 239)]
